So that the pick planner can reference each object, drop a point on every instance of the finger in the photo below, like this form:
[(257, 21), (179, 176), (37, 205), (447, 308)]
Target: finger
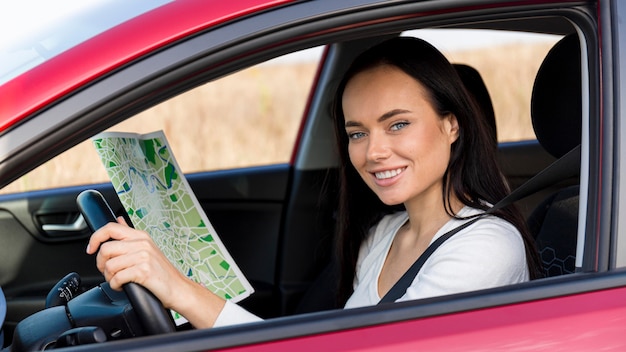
[(109, 251), (126, 246), (121, 277), (143, 263), (110, 231), (132, 266), (97, 238)]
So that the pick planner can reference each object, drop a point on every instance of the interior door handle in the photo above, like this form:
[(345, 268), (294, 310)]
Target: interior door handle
[(77, 226)]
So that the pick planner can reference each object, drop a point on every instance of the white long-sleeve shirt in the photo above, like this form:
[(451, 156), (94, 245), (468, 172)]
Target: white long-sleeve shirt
[(488, 253)]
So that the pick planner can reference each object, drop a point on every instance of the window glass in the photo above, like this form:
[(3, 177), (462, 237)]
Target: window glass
[(249, 118), (507, 62)]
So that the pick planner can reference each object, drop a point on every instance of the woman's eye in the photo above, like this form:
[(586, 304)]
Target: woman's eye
[(399, 125), (356, 135)]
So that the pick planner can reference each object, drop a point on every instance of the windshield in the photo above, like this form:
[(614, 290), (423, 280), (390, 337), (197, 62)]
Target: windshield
[(34, 31)]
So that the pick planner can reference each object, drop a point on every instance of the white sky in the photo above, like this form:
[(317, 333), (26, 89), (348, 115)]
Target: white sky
[(24, 16), (446, 40)]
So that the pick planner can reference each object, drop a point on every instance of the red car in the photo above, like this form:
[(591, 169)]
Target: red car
[(104, 65)]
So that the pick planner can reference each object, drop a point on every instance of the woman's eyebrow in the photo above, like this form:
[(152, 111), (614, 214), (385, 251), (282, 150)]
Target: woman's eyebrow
[(391, 114), (382, 118), (353, 124)]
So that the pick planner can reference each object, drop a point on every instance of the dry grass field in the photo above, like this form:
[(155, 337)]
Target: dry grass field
[(252, 117)]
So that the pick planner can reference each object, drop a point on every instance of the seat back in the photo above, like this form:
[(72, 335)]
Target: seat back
[(556, 109)]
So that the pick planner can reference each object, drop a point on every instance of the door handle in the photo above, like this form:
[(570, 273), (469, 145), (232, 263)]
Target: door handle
[(77, 226)]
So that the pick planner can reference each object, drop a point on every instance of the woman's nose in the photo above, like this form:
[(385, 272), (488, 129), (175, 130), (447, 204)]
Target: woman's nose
[(377, 148)]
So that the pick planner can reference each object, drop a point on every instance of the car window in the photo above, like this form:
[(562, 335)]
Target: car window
[(249, 118)]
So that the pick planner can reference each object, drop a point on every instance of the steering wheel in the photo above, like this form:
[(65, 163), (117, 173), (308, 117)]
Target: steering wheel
[(153, 317)]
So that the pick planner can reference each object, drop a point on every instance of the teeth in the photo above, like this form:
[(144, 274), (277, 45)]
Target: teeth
[(388, 174)]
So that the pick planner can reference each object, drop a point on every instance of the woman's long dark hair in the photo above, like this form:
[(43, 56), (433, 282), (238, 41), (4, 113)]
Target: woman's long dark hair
[(473, 174)]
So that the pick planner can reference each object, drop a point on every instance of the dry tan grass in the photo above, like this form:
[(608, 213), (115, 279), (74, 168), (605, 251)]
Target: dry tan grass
[(509, 73), (252, 117)]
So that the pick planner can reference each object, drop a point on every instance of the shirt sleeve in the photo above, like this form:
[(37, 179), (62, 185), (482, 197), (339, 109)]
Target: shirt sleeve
[(233, 314)]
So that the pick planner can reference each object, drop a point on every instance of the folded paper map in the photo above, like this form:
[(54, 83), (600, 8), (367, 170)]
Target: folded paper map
[(158, 199)]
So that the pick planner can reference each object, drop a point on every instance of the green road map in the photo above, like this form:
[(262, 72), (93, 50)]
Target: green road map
[(158, 199)]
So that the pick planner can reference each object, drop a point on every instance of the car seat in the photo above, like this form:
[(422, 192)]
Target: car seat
[(556, 109)]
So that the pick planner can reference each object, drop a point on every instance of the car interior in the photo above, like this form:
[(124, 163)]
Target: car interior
[(556, 113), (285, 244)]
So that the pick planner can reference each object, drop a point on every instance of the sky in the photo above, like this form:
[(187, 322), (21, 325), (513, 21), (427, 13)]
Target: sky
[(446, 40)]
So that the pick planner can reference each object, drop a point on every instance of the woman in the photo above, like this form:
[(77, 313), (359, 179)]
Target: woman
[(436, 153), (416, 163)]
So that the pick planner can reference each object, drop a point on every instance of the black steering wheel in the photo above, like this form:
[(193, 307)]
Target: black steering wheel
[(153, 317)]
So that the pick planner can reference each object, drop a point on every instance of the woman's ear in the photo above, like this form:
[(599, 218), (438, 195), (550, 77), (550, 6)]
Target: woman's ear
[(452, 127)]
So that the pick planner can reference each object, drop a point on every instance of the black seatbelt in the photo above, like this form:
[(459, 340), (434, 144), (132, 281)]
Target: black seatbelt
[(565, 167)]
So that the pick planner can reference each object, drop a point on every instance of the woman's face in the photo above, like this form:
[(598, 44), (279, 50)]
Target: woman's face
[(397, 141)]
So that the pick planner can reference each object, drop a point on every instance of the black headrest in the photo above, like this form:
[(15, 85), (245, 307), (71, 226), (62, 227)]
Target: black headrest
[(556, 99), (475, 84)]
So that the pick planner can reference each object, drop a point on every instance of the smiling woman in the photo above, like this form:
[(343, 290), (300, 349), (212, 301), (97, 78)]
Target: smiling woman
[(402, 106)]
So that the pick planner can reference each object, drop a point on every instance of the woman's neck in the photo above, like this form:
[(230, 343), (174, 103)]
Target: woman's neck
[(427, 217)]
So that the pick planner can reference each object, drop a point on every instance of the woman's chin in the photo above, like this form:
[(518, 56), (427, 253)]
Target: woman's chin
[(390, 201)]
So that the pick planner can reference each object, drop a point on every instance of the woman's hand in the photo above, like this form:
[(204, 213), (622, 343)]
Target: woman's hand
[(129, 255), (132, 256)]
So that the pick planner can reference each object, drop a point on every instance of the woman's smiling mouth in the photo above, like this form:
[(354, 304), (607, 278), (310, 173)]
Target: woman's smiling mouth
[(383, 175)]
